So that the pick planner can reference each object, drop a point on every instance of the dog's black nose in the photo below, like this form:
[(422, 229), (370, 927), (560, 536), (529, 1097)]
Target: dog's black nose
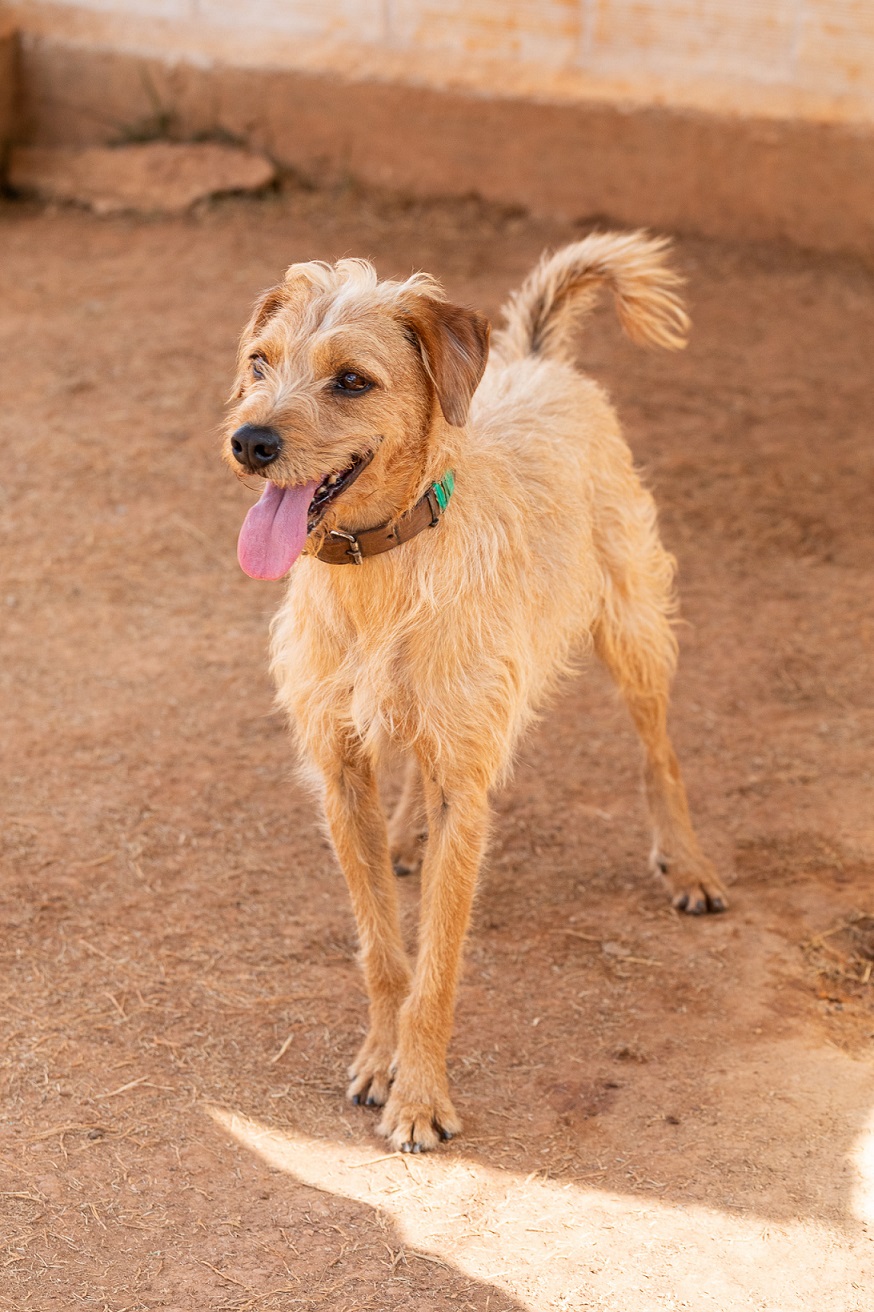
[(255, 448)]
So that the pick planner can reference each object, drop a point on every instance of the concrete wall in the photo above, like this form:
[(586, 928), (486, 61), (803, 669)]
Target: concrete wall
[(735, 118), (786, 58)]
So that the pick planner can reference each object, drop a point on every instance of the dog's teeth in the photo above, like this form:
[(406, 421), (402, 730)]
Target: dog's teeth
[(332, 479)]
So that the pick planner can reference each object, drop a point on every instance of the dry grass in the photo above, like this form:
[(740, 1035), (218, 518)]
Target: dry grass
[(843, 956)]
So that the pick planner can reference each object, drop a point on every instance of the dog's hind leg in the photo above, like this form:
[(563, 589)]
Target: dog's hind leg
[(358, 829), (676, 854), (408, 828), (635, 640), (419, 1112)]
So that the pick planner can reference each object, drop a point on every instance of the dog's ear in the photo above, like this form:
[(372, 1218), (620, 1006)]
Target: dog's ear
[(265, 308), (454, 345)]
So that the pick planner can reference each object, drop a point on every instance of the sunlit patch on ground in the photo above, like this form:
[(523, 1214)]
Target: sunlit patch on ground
[(552, 1244), (863, 1194)]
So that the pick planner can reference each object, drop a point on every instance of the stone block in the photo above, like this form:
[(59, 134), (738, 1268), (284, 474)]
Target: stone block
[(157, 177)]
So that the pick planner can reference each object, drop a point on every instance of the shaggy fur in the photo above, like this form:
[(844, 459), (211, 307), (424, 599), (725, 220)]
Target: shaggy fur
[(445, 647)]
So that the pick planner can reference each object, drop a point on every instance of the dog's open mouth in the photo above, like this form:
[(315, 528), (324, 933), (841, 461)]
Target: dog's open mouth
[(276, 527), (331, 488)]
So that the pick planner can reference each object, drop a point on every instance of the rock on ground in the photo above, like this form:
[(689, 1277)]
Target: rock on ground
[(157, 177)]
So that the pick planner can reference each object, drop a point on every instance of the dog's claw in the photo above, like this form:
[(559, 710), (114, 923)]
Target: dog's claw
[(414, 1146), (701, 904), (356, 1100), (691, 905)]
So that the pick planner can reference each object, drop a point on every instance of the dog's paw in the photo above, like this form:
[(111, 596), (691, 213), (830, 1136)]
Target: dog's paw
[(697, 891), (697, 899), (406, 853), (370, 1075), (418, 1125)]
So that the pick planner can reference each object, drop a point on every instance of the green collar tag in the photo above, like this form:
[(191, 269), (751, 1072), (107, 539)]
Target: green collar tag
[(444, 489)]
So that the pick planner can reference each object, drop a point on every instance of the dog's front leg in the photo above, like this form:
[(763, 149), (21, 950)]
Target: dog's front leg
[(419, 1111), (358, 829)]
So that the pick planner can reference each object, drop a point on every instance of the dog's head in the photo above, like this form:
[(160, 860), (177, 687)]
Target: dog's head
[(344, 391)]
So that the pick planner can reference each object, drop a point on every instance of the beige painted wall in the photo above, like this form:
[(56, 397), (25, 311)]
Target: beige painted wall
[(810, 59)]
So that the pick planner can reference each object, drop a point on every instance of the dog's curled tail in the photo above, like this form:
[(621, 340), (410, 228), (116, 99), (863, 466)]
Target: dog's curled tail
[(541, 316)]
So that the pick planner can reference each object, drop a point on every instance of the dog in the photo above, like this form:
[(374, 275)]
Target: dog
[(462, 527)]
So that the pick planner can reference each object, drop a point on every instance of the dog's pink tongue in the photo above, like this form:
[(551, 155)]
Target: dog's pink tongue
[(274, 531)]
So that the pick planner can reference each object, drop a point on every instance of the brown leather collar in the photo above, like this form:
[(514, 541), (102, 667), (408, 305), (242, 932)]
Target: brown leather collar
[(341, 548)]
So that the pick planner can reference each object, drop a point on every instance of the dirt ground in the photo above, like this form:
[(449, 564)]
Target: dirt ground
[(660, 1112)]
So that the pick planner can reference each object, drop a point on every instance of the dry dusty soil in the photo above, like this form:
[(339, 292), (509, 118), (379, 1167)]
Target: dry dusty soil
[(660, 1112)]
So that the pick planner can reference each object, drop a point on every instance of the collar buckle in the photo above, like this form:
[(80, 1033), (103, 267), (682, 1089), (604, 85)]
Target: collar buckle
[(354, 548)]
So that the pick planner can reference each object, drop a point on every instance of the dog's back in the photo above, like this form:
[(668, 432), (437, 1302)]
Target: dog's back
[(555, 504)]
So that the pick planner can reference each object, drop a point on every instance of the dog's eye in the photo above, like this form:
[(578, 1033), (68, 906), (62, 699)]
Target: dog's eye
[(350, 382), (258, 364)]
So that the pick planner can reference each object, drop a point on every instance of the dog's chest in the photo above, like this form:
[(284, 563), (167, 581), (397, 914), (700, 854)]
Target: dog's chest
[(360, 659)]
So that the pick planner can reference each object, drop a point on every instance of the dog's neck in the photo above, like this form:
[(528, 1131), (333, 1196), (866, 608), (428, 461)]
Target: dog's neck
[(417, 495), (439, 447), (354, 546)]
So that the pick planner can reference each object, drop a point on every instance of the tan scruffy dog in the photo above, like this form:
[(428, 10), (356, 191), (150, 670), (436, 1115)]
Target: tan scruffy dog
[(464, 532)]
